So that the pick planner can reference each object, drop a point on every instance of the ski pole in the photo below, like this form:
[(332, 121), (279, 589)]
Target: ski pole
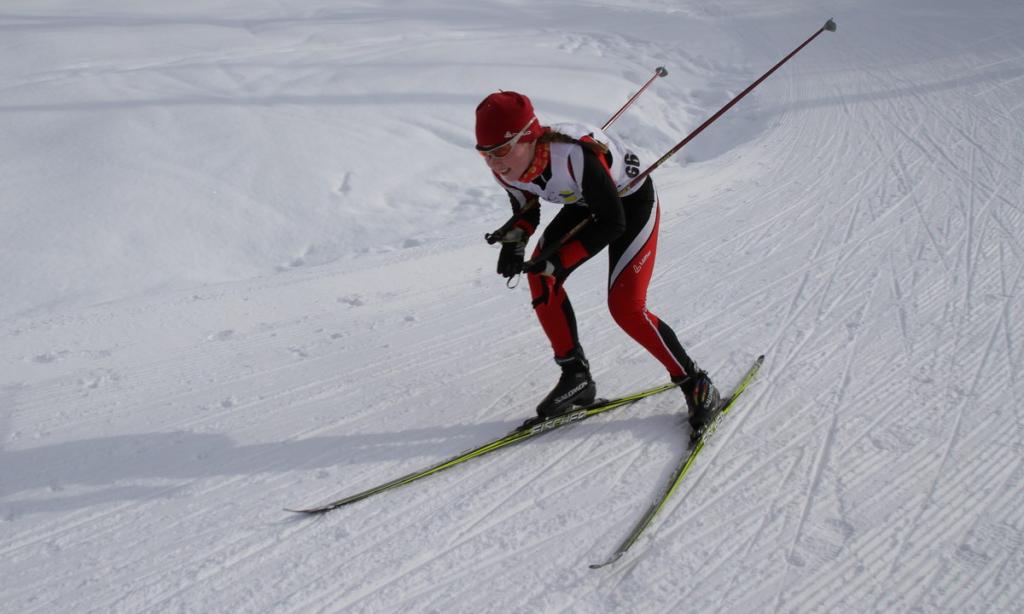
[(494, 237), (658, 72), (830, 25)]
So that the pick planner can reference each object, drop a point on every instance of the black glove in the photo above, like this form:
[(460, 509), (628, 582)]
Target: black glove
[(551, 267), (543, 267), (513, 248)]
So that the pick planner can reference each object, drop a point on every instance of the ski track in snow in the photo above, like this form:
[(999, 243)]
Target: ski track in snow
[(858, 220)]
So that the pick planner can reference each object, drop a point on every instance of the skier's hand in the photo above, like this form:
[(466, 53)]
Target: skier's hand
[(513, 249), (549, 267), (542, 267)]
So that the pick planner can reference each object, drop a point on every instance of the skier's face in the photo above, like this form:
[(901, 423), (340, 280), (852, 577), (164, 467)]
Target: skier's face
[(513, 164)]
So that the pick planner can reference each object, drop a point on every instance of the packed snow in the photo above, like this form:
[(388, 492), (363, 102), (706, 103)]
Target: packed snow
[(243, 269)]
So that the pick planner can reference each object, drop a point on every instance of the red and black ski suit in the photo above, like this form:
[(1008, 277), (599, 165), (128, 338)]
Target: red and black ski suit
[(627, 226)]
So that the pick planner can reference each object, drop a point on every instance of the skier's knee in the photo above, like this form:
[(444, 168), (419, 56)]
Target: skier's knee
[(626, 313)]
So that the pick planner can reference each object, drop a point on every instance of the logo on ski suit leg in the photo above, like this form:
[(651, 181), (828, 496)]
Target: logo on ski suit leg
[(640, 265)]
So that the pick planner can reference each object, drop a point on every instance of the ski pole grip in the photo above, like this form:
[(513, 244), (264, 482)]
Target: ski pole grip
[(497, 235)]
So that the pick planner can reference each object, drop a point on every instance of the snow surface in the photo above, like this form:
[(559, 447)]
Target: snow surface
[(242, 269)]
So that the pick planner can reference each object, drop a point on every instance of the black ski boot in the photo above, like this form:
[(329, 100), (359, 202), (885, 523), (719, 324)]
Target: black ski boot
[(702, 400), (575, 387)]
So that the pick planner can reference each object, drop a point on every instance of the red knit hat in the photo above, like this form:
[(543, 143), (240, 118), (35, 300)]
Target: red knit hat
[(501, 116)]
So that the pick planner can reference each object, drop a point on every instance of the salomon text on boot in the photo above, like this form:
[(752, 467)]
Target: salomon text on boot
[(574, 388)]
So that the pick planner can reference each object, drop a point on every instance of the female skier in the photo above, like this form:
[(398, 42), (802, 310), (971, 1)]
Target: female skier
[(581, 168)]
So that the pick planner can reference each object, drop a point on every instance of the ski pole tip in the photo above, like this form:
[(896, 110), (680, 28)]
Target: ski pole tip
[(830, 25), (661, 71)]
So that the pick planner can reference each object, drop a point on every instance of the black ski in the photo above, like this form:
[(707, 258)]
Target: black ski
[(684, 467)]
